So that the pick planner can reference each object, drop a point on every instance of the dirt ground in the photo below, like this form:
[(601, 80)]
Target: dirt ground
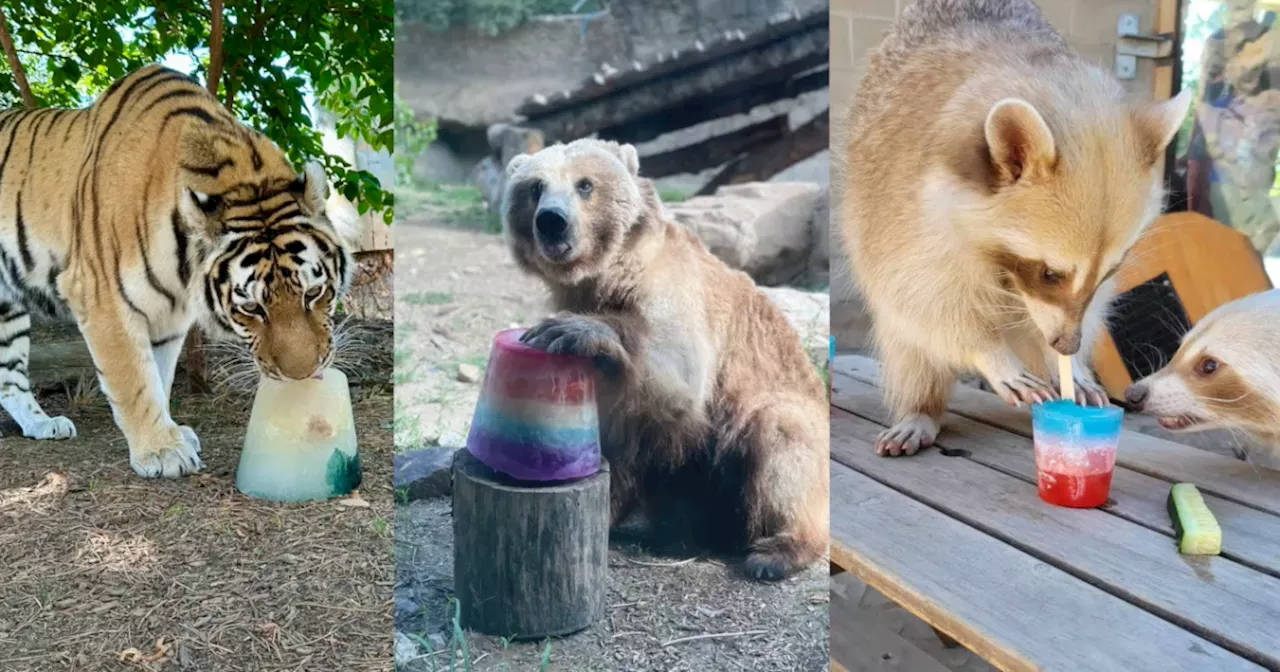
[(103, 570), (456, 287), (661, 613)]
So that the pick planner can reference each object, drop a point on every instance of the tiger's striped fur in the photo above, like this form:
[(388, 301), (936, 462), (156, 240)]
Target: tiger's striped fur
[(141, 214)]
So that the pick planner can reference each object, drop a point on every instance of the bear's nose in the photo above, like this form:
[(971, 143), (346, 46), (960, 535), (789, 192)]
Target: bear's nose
[(551, 223), (1137, 395)]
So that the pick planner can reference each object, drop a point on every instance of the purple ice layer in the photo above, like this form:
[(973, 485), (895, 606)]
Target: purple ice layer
[(533, 460)]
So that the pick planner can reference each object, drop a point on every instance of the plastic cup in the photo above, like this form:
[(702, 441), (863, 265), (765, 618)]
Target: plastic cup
[(536, 419), (1075, 450), (301, 441)]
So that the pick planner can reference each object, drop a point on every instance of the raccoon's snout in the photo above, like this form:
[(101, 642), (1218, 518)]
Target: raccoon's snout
[(1067, 343), (1136, 395)]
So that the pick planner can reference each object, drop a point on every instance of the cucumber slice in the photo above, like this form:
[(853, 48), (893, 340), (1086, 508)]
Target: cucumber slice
[(1197, 530)]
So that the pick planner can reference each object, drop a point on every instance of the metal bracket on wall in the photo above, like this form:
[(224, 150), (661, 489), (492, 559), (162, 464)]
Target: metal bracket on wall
[(1131, 45)]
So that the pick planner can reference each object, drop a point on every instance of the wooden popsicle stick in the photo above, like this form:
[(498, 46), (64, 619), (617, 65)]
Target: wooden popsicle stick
[(1066, 384)]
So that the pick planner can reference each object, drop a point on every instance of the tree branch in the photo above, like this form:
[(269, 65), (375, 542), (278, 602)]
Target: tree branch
[(19, 74), (215, 47)]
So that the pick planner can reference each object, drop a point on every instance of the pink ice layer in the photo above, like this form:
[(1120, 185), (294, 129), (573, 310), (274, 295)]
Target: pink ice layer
[(1075, 459)]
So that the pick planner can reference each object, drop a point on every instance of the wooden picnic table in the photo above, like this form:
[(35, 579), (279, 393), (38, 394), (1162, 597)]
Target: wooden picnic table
[(958, 536)]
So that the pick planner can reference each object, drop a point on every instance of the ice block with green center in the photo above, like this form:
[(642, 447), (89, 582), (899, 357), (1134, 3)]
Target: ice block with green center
[(301, 441)]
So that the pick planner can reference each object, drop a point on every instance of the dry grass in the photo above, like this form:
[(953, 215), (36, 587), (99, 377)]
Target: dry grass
[(103, 570)]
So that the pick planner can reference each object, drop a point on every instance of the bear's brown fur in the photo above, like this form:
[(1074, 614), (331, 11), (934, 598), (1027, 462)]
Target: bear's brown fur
[(705, 391)]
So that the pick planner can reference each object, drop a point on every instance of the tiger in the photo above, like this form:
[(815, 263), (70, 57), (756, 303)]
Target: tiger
[(150, 211)]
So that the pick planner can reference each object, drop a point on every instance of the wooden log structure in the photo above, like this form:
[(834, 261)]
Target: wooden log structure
[(732, 65), (762, 162), (715, 151), (530, 560), (712, 107)]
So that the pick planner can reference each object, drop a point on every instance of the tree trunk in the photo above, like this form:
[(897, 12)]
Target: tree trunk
[(215, 47), (19, 74), (529, 560)]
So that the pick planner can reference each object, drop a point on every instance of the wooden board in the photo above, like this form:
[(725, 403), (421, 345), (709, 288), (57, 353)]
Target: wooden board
[(1229, 604), (1249, 536), (1209, 264), (1232, 480), (991, 597), (860, 643)]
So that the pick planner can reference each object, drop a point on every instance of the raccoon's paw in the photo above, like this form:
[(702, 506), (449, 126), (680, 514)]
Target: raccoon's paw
[(175, 452), (1088, 393), (50, 428), (907, 436), (578, 335), (1023, 388)]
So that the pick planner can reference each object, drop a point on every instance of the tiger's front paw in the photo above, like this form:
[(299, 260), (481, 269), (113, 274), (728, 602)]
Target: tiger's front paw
[(174, 452), (50, 428), (577, 335)]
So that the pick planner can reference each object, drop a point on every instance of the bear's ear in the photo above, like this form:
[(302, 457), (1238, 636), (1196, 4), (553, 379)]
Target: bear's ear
[(516, 162), (630, 158)]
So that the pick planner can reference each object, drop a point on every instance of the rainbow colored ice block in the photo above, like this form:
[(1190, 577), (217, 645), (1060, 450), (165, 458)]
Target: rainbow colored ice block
[(536, 419), (1075, 450)]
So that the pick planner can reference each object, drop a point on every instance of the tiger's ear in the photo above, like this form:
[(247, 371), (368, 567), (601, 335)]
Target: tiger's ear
[(313, 187)]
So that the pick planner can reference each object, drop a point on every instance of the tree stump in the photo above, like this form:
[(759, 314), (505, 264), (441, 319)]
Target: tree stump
[(530, 560)]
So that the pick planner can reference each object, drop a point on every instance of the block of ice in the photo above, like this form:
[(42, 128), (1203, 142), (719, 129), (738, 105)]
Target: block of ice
[(536, 419), (301, 441)]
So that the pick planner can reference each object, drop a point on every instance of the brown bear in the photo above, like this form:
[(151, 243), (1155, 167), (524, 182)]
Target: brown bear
[(706, 396)]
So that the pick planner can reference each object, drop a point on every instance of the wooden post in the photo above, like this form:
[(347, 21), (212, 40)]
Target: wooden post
[(529, 560)]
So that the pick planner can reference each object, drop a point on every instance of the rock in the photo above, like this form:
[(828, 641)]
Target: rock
[(452, 440), (763, 228), (506, 141), (850, 322), (469, 373), (809, 313), (406, 650), (425, 473), (820, 247)]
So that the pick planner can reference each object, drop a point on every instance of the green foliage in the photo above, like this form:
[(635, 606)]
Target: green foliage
[(488, 17), (274, 53), (412, 139)]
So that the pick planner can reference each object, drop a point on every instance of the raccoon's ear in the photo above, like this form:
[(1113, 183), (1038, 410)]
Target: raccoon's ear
[(1019, 143), (1158, 123)]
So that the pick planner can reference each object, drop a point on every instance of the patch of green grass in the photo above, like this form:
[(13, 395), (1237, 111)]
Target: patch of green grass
[(460, 206), (174, 511), (381, 527), (427, 298), (673, 194), (460, 659)]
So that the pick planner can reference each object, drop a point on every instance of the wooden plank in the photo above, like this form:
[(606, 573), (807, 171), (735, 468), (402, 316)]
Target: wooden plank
[(1227, 603), (714, 151), (1015, 611), (1249, 536), (771, 158), (1229, 479), (859, 643), (771, 62), (693, 112), (699, 54)]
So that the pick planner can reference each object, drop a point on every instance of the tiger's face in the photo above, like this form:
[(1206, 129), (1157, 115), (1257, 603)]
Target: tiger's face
[(277, 291), (278, 267)]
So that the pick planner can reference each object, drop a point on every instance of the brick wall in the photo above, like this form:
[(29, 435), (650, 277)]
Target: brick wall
[(1089, 25)]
